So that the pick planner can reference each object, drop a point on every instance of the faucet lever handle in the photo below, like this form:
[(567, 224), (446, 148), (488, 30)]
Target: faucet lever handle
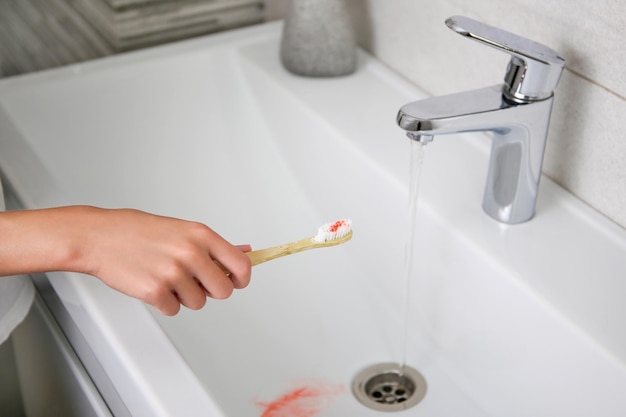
[(534, 69)]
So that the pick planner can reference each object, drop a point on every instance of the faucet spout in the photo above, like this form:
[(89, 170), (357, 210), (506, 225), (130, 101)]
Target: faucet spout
[(517, 113), (461, 112), (519, 137)]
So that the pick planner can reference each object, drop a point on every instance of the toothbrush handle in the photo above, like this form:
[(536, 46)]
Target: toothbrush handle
[(264, 255)]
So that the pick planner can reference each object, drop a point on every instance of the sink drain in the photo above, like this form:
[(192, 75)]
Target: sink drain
[(389, 387)]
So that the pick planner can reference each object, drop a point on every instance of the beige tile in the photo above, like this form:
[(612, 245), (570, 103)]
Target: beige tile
[(586, 151)]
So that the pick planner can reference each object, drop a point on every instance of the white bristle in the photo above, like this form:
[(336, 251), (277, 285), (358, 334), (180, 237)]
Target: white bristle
[(334, 230)]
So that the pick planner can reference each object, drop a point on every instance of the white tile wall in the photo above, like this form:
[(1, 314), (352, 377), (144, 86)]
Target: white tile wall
[(586, 150)]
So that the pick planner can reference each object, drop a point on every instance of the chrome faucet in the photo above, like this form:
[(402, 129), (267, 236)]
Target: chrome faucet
[(516, 112)]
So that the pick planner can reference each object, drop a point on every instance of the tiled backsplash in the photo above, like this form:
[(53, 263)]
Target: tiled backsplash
[(586, 150)]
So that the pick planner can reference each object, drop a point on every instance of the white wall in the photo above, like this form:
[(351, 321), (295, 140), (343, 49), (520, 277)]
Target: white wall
[(586, 150)]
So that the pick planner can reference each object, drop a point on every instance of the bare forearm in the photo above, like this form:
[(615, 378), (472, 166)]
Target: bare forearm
[(42, 240)]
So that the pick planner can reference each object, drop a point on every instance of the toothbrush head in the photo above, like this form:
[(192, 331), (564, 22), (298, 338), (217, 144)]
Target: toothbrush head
[(334, 231)]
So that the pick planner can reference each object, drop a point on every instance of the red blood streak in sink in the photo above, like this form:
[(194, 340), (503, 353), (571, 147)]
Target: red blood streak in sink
[(303, 401)]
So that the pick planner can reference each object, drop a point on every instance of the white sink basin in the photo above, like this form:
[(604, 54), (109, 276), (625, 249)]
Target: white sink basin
[(524, 320)]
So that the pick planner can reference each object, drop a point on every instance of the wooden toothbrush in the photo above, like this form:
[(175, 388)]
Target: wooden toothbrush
[(330, 234)]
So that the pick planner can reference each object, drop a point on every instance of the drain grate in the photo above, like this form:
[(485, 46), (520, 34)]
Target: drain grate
[(389, 387)]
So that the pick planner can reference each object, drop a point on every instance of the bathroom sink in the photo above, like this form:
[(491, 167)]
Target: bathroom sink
[(503, 320)]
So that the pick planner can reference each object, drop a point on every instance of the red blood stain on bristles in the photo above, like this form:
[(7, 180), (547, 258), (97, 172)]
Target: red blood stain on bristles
[(304, 401), (338, 224)]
